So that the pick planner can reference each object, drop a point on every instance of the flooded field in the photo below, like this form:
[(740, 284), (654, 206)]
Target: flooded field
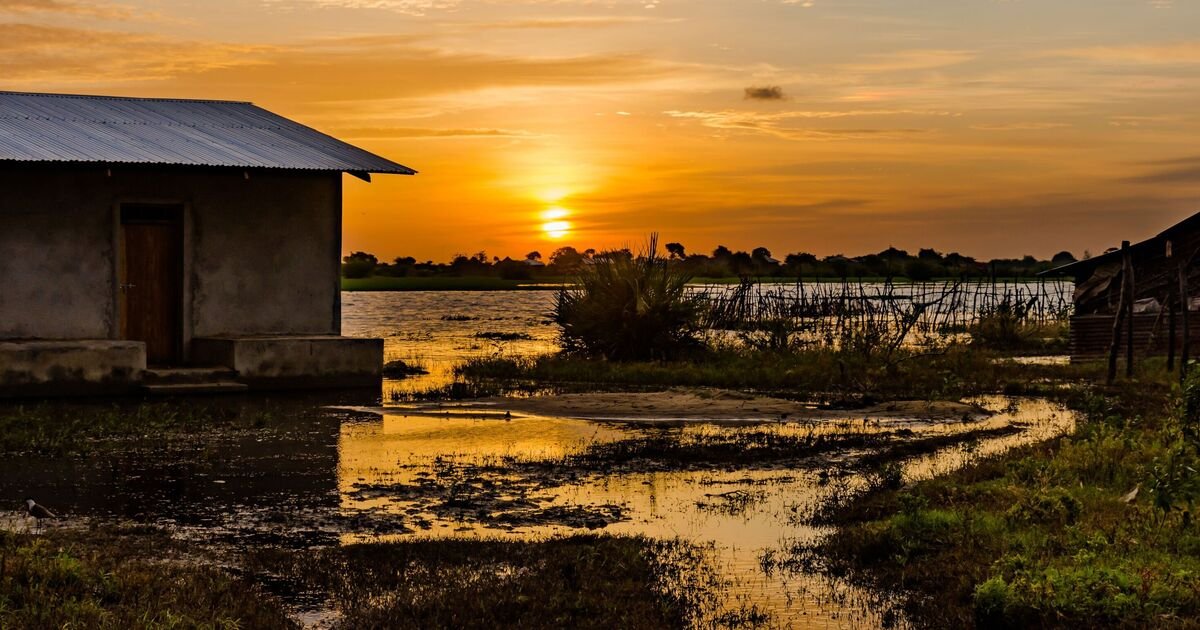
[(319, 470), (451, 474)]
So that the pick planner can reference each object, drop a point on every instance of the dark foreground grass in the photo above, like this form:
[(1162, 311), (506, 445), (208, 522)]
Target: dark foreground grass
[(141, 578), (110, 578), (819, 374), (576, 582), (1048, 535), (58, 428)]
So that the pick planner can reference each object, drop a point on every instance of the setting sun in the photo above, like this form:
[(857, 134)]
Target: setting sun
[(555, 213), (555, 226), (556, 229)]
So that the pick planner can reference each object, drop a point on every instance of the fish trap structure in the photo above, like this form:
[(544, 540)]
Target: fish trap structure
[(883, 313)]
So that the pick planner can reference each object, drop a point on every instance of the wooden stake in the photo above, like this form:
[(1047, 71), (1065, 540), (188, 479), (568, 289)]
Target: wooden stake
[(1170, 305), (1132, 295), (1170, 328), (1118, 319), (1185, 306)]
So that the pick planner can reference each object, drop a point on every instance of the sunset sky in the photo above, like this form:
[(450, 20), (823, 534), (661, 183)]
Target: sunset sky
[(990, 127)]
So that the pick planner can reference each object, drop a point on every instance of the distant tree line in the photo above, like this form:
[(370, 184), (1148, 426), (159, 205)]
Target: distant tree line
[(925, 264)]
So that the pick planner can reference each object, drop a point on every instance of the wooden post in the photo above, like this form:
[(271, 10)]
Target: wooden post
[(1129, 320), (1118, 319), (1185, 306), (1171, 332), (1170, 306)]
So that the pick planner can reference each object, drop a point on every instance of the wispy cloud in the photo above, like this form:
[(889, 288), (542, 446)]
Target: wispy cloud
[(1020, 126), (100, 10), (777, 123), (903, 60), (32, 53), (582, 21), (419, 132), (1165, 53), (1183, 170)]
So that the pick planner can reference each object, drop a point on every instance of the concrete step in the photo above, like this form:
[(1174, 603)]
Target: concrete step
[(188, 389), (187, 375)]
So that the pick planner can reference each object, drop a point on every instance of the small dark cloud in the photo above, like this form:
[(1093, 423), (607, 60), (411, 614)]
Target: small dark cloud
[(765, 93)]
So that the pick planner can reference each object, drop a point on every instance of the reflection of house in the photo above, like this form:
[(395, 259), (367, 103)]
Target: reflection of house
[(171, 233), (1158, 266)]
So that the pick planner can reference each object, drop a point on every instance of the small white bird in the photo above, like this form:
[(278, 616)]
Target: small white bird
[(38, 512)]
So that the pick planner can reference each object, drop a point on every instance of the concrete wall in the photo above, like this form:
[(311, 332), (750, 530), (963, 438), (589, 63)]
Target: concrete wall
[(59, 368), (56, 256), (261, 253), (296, 361)]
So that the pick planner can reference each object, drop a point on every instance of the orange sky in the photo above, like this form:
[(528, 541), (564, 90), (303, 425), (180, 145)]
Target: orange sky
[(991, 127)]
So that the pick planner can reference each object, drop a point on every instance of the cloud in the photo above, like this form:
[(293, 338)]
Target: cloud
[(418, 132), (31, 53), (903, 60), (407, 7), (315, 71), (1020, 126), (777, 123), (424, 7), (1170, 53), (765, 93), (598, 21), (110, 11), (1184, 171)]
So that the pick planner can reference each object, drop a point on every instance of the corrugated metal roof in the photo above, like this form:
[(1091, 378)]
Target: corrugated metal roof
[(122, 130)]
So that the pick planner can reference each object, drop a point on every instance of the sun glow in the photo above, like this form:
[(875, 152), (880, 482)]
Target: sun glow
[(554, 213), (554, 226), (556, 229), (554, 195)]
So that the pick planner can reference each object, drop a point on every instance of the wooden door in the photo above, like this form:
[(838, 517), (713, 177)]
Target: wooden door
[(152, 280)]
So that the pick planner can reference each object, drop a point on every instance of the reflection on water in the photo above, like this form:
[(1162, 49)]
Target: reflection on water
[(457, 476), (438, 329)]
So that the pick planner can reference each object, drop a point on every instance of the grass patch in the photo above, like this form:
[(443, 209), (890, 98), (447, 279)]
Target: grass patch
[(504, 336), (819, 374), (1046, 535), (575, 582), (105, 578), (402, 369), (61, 428)]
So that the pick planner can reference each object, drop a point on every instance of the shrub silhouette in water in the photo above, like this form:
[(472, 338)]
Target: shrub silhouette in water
[(624, 307)]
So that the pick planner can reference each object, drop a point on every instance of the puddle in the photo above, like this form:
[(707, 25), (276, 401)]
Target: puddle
[(522, 478)]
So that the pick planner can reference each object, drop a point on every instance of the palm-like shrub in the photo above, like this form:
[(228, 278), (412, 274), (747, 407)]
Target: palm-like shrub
[(623, 307)]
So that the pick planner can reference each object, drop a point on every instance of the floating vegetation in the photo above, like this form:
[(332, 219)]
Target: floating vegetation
[(504, 336), (402, 369)]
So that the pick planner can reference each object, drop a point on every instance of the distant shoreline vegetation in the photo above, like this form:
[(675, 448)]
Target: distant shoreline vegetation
[(362, 271)]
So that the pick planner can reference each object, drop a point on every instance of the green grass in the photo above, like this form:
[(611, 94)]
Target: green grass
[(1041, 537), (65, 428), (448, 283), (818, 374), (574, 582), (106, 578), (142, 578)]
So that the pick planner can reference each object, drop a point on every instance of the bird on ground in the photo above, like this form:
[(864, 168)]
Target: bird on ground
[(38, 512)]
